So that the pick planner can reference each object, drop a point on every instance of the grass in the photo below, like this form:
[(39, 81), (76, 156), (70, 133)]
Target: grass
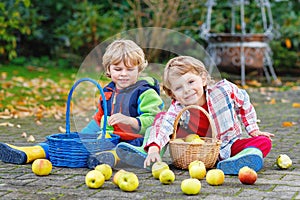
[(28, 87), (30, 72)]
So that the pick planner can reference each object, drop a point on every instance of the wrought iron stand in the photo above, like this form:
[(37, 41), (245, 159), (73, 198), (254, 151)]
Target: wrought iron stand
[(241, 49)]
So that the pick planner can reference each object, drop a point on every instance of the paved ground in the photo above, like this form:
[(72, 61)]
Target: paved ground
[(18, 182)]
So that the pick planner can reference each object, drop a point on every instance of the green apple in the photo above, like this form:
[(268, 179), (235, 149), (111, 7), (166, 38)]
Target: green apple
[(191, 137), (195, 162), (283, 161), (167, 177), (190, 186), (215, 177), (198, 141), (105, 169), (158, 167), (117, 175), (197, 171), (94, 179), (41, 167), (128, 181)]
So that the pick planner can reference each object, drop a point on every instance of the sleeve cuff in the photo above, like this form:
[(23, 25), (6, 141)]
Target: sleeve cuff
[(150, 145)]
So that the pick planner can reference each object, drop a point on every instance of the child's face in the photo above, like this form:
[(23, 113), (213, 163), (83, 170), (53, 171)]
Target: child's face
[(188, 89), (123, 76)]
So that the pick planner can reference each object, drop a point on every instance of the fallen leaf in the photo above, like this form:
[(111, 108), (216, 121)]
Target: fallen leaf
[(30, 138), (24, 135), (38, 122), (273, 101), (254, 83), (61, 129), (296, 105), (7, 124), (3, 75), (285, 101), (287, 124), (6, 116)]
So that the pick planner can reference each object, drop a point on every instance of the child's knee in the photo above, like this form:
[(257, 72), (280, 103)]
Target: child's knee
[(266, 145)]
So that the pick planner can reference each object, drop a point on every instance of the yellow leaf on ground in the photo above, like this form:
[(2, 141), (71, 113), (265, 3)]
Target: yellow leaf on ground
[(287, 124), (273, 101), (296, 105)]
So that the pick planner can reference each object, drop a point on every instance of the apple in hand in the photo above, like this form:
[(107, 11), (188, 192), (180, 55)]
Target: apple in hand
[(247, 175), (190, 186), (158, 167), (215, 177), (105, 169), (117, 175), (167, 177), (191, 137), (128, 182), (41, 167), (94, 179), (197, 169)]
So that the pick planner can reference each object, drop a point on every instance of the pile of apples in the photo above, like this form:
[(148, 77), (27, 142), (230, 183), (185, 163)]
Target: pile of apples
[(193, 138), (125, 180), (128, 181), (197, 172)]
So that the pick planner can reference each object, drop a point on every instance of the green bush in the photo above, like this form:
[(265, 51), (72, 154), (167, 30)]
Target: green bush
[(16, 18), (89, 25), (65, 31)]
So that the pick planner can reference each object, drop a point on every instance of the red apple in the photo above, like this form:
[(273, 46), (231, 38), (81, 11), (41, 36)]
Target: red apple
[(247, 175)]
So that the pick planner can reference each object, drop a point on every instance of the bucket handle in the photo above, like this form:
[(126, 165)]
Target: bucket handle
[(69, 101), (212, 124)]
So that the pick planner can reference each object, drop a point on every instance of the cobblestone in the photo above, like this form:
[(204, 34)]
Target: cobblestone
[(18, 181)]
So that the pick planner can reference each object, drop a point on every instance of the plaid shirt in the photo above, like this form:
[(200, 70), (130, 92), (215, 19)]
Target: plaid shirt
[(228, 106)]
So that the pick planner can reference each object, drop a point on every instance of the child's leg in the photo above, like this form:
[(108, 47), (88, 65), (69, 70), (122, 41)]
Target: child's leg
[(105, 157), (261, 142), (246, 152), (22, 155), (134, 155)]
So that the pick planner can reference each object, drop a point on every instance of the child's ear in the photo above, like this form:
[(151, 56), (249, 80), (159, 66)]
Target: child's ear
[(107, 73)]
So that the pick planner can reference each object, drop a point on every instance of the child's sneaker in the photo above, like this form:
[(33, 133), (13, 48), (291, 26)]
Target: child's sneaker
[(251, 157), (131, 155), (8, 154), (105, 157)]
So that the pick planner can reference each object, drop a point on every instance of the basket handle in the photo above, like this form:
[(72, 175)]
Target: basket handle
[(69, 101), (212, 124)]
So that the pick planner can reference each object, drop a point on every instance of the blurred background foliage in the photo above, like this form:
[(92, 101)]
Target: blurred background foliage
[(63, 32)]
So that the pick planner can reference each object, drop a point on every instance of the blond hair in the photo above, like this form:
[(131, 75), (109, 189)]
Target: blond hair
[(124, 50), (181, 65)]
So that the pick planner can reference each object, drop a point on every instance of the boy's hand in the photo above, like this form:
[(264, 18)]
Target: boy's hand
[(258, 133), (119, 118), (153, 156)]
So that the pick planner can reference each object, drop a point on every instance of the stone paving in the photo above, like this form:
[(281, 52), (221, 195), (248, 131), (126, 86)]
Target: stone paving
[(18, 181)]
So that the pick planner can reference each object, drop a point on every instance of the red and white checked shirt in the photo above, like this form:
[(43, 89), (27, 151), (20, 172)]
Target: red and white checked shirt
[(228, 106)]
